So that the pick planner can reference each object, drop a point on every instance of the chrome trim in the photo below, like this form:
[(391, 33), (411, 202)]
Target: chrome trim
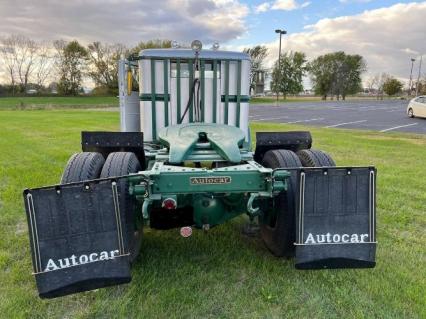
[(301, 205), (34, 232), (118, 218)]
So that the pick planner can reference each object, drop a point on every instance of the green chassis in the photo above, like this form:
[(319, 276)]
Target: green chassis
[(216, 195)]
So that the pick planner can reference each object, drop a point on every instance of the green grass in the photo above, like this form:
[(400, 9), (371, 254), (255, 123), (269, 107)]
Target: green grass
[(38, 102), (221, 273)]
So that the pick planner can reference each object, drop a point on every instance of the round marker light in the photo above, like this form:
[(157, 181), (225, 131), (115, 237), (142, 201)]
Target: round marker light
[(196, 45), (169, 203), (215, 46)]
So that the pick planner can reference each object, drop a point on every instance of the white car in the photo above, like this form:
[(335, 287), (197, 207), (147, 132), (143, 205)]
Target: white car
[(417, 107)]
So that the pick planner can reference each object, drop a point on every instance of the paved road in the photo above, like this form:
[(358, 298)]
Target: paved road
[(384, 116)]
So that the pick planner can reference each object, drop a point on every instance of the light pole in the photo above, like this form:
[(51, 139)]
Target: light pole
[(418, 76), (281, 32), (411, 76)]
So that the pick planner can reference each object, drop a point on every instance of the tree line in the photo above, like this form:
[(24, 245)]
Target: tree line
[(334, 74), (62, 65)]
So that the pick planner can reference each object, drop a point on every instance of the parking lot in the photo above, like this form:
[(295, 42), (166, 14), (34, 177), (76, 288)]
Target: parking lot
[(383, 116)]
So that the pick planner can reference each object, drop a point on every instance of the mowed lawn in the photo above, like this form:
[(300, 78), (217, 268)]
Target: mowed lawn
[(222, 273), (38, 102)]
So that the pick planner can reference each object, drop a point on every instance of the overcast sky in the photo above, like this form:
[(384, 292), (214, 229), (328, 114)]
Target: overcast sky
[(387, 33)]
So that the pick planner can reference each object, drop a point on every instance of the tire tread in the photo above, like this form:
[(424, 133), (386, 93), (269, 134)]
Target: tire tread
[(119, 164), (315, 158), (83, 166)]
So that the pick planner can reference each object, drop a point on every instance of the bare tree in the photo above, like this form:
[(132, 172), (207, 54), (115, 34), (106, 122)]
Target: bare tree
[(43, 64), (380, 80), (371, 83), (7, 54), (20, 53), (25, 61), (59, 58)]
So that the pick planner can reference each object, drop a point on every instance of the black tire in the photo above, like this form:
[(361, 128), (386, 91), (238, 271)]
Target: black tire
[(315, 158), (82, 167), (119, 164), (410, 113), (277, 225)]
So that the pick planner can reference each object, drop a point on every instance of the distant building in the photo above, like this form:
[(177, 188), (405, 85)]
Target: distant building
[(259, 87), (53, 88)]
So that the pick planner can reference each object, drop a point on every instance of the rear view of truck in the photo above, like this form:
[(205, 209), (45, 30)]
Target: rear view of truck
[(184, 159)]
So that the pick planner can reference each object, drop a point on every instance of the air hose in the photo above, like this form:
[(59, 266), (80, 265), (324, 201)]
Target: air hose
[(190, 100)]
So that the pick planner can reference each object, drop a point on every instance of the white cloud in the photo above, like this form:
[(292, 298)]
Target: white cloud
[(263, 7), (305, 4), (386, 37), (125, 21), (356, 1), (285, 5)]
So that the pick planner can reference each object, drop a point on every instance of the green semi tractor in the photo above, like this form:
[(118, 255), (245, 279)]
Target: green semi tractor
[(184, 159)]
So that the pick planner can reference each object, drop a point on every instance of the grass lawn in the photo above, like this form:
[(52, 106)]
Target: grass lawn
[(222, 273), (52, 102), (37, 102)]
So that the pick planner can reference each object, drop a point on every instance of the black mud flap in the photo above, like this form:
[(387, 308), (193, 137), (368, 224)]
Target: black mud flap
[(335, 218), (76, 236)]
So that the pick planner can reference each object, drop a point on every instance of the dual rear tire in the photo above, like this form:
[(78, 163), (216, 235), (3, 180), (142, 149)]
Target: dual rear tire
[(277, 224), (83, 167), (91, 165)]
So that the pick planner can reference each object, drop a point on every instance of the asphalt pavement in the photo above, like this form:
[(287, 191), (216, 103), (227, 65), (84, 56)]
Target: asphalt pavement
[(383, 116)]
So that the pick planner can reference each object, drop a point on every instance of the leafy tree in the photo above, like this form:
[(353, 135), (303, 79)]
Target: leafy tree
[(151, 44), (287, 76), (348, 75), (6, 90), (392, 86), (337, 74), (103, 59), (321, 72), (71, 62), (258, 55)]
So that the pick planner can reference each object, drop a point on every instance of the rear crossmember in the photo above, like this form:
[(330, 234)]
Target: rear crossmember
[(243, 183)]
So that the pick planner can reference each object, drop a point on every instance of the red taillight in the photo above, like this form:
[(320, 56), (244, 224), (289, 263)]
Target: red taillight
[(169, 203)]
